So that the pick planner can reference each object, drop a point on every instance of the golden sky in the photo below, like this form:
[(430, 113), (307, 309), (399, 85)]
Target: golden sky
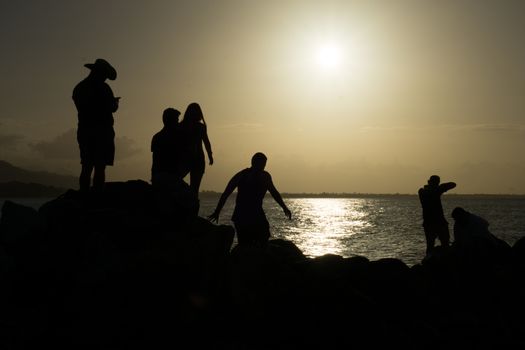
[(342, 96)]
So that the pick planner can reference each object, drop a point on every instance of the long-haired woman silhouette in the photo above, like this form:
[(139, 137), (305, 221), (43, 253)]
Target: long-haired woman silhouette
[(195, 130)]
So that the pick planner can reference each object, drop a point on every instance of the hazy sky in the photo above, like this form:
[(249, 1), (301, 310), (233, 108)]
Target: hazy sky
[(342, 96)]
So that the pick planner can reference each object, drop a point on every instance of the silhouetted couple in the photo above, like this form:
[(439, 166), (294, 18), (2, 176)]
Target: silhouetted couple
[(249, 218), (95, 105), (177, 148)]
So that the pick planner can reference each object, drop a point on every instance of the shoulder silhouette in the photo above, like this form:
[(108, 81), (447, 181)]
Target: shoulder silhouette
[(167, 148)]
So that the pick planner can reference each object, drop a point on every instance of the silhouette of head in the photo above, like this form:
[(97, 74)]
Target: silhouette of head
[(434, 180), (193, 113), (459, 214), (102, 68), (259, 161), (170, 117)]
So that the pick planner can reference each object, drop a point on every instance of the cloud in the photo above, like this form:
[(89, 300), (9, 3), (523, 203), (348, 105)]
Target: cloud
[(62, 146), (9, 141), (487, 127), (125, 147), (496, 127), (520, 128), (65, 147), (242, 126)]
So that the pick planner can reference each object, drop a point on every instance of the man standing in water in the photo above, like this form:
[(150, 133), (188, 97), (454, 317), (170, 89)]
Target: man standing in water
[(249, 218), (434, 223), (95, 104)]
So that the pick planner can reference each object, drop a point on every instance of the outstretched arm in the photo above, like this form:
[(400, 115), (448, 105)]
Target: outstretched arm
[(277, 196), (444, 187), (207, 145), (229, 189)]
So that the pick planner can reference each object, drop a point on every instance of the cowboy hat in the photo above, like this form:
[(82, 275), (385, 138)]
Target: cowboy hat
[(103, 66)]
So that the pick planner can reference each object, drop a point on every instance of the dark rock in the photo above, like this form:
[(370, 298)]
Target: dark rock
[(285, 251), (132, 267), (518, 252), (389, 268), (19, 226)]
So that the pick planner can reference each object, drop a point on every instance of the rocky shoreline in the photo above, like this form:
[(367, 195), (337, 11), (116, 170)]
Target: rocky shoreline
[(131, 268)]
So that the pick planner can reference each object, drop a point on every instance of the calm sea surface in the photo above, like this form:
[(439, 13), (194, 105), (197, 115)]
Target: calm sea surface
[(375, 227)]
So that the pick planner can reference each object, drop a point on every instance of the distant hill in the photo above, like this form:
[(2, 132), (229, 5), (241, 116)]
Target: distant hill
[(11, 173), (15, 189)]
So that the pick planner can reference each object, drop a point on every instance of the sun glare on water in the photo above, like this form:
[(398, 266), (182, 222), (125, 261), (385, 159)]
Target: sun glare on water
[(330, 221)]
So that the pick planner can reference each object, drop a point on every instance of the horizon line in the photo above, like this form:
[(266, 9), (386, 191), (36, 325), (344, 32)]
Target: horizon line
[(340, 194)]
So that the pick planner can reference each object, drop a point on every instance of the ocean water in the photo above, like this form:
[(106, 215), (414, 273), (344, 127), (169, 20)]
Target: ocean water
[(375, 226), (378, 226)]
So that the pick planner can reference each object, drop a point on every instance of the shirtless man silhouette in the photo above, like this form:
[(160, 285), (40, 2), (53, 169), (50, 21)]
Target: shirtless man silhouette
[(248, 216)]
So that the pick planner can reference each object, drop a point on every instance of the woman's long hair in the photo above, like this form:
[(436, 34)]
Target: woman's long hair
[(193, 114)]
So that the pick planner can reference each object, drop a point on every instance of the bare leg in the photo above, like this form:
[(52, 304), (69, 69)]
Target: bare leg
[(84, 180), (430, 246), (430, 237), (99, 178), (444, 237), (195, 181)]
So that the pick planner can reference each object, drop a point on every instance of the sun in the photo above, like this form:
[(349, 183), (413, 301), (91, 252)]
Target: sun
[(329, 56)]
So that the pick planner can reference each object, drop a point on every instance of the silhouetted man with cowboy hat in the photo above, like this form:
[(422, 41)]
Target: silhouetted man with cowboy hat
[(95, 104)]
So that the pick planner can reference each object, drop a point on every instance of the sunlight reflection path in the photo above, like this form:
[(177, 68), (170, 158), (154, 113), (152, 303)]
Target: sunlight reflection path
[(331, 222)]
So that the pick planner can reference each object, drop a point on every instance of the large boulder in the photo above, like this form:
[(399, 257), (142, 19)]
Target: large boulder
[(20, 226), (518, 252), (134, 267), (113, 263)]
